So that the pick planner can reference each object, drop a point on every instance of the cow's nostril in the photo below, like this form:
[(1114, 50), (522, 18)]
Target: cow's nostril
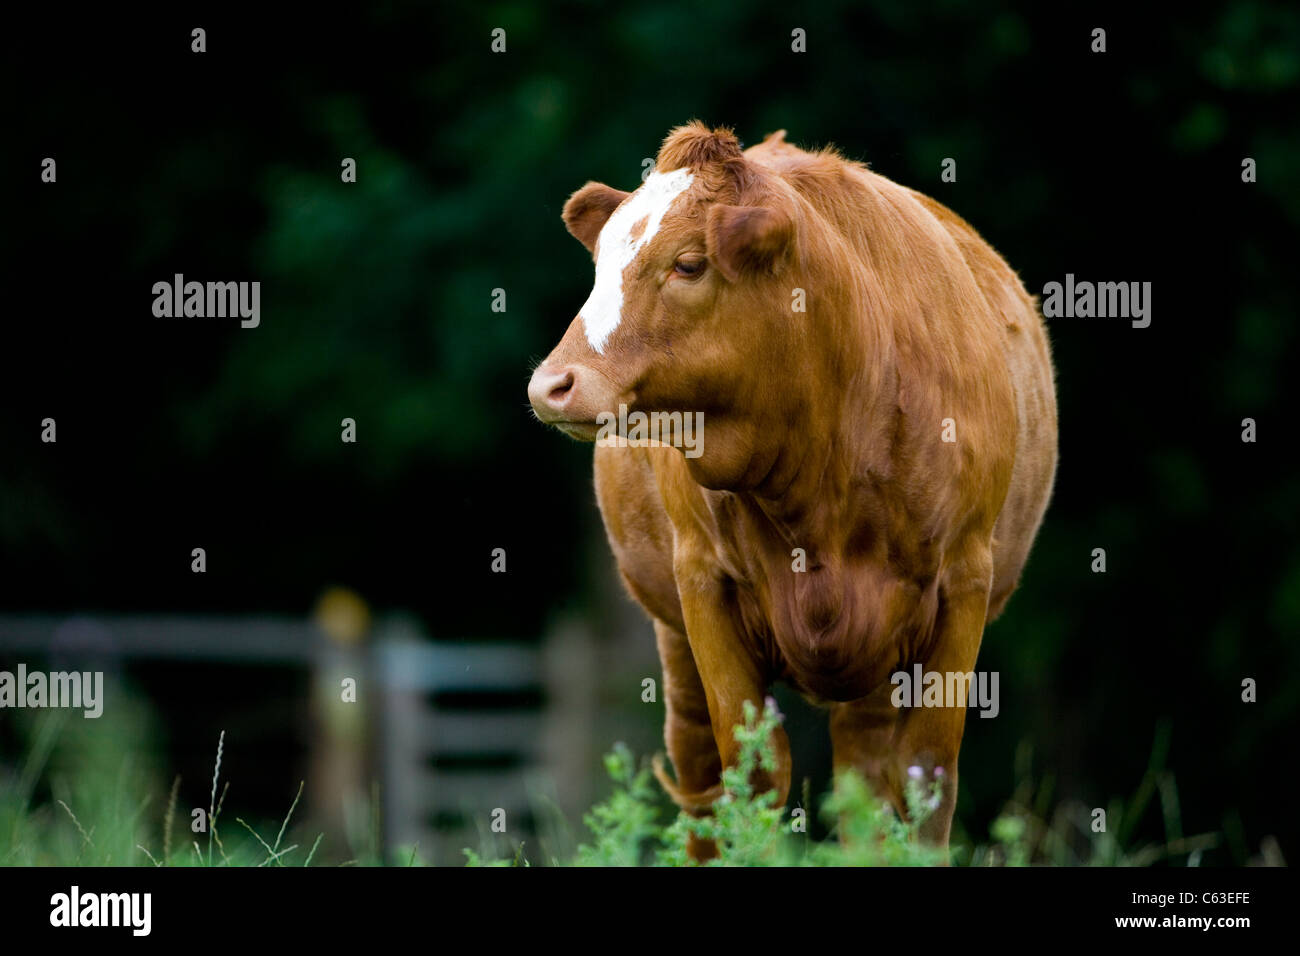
[(552, 392), (561, 388)]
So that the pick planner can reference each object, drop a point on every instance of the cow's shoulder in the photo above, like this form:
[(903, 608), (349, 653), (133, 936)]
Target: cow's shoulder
[(637, 525)]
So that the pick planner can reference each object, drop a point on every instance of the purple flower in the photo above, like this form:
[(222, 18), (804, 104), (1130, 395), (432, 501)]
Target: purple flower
[(915, 772), (769, 703)]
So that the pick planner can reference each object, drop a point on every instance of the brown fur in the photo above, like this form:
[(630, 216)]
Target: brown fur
[(822, 432)]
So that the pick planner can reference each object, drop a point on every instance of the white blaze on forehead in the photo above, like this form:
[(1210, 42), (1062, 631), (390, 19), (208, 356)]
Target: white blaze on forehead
[(616, 249)]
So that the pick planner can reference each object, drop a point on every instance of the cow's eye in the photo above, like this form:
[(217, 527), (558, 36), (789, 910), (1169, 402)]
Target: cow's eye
[(689, 267)]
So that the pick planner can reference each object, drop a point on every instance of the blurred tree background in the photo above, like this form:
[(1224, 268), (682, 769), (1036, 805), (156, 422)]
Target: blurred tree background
[(1124, 165)]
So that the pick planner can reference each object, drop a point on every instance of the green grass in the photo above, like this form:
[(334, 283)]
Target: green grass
[(748, 830), (99, 819), (98, 812), (746, 827)]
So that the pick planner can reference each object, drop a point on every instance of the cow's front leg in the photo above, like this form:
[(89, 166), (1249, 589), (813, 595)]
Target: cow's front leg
[(729, 670), (864, 738), (688, 734), (930, 737)]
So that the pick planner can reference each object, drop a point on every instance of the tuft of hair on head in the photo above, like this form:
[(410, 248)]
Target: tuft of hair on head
[(714, 153)]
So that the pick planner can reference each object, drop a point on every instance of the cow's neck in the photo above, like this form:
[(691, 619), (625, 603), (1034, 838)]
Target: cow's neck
[(844, 425)]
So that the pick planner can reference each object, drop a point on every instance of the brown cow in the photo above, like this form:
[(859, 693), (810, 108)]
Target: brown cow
[(876, 390)]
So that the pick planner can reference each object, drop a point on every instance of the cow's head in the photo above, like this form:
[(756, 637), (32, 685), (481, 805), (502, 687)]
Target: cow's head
[(690, 310)]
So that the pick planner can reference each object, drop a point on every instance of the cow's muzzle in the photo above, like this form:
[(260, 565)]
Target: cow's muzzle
[(568, 397)]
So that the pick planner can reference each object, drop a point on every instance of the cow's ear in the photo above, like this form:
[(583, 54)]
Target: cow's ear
[(747, 239), (587, 211)]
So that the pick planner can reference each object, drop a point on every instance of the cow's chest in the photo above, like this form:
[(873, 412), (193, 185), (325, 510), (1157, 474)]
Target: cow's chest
[(833, 617)]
